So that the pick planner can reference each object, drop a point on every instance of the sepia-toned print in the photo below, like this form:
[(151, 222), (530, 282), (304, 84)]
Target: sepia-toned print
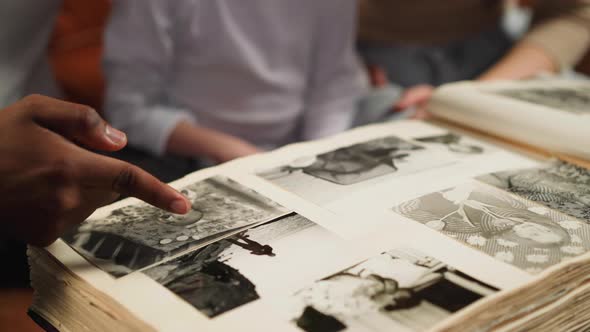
[(400, 290), (139, 235), (516, 231)]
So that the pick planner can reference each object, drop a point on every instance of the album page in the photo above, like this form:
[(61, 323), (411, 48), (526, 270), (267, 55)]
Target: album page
[(552, 114), (394, 226)]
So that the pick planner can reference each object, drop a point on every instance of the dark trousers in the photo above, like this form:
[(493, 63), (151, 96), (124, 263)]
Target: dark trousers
[(408, 65)]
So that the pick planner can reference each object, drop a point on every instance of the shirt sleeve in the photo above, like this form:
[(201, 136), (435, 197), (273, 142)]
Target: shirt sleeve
[(139, 53), (335, 79), (562, 29)]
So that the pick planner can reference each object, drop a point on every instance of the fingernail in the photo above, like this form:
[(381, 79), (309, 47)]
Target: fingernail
[(116, 136), (179, 206)]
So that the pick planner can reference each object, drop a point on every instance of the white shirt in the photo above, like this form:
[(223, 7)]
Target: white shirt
[(270, 72), (25, 28)]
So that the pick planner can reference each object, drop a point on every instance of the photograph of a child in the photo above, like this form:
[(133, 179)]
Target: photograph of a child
[(324, 177), (571, 99), (516, 231), (135, 236), (213, 281), (399, 290), (559, 185)]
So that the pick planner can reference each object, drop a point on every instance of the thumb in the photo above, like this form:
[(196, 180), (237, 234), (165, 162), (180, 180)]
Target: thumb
[(75, 122)]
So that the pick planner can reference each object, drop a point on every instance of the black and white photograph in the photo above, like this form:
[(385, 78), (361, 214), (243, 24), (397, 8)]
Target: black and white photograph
[(559, 185), (453, 143), (136, 236), (525, 234), (399, 290), (325, 177), (231, 272), (572, 99), (355, 163)]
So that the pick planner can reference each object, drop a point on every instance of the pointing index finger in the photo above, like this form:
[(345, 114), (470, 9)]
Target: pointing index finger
[(130, 180)]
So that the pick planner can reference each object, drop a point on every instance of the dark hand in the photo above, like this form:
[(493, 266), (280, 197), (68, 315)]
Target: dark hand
[(49, 183)]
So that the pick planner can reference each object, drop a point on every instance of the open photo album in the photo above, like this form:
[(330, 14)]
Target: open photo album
[(548, 114), (402, 226)]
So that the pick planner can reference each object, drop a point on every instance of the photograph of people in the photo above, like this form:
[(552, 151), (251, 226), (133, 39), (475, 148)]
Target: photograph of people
[(516, 231), (135, 236), (559, 185), (352, 164), (399, 290)]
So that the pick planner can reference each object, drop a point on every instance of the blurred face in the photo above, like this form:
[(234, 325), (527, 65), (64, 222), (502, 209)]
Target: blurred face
[(538, 233)]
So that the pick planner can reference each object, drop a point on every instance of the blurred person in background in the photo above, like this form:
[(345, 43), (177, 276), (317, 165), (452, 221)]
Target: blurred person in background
[(75, 50), (48, 178), (26, 28), (420, 44), (219, 80), (24, 68), (38, 195)]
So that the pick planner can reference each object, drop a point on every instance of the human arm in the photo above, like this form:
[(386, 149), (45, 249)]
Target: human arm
[(559, 37), (138, 57), (50, 182), (184, 140), (336, 79), (139, 75)]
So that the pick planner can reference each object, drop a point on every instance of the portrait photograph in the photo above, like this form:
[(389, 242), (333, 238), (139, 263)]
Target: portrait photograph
[(525, 234), (560, 185)]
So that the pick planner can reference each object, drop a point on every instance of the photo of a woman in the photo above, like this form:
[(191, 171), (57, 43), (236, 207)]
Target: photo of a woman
[(513, 230)]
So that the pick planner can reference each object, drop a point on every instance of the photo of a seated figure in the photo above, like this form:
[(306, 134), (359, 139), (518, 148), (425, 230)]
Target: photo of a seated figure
[(360, 162), (400, 290), (353, 164), (136, 236), (516, 231), (326, 177), (571, 99)]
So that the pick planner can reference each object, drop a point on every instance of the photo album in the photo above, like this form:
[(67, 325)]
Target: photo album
[(475, 220)]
